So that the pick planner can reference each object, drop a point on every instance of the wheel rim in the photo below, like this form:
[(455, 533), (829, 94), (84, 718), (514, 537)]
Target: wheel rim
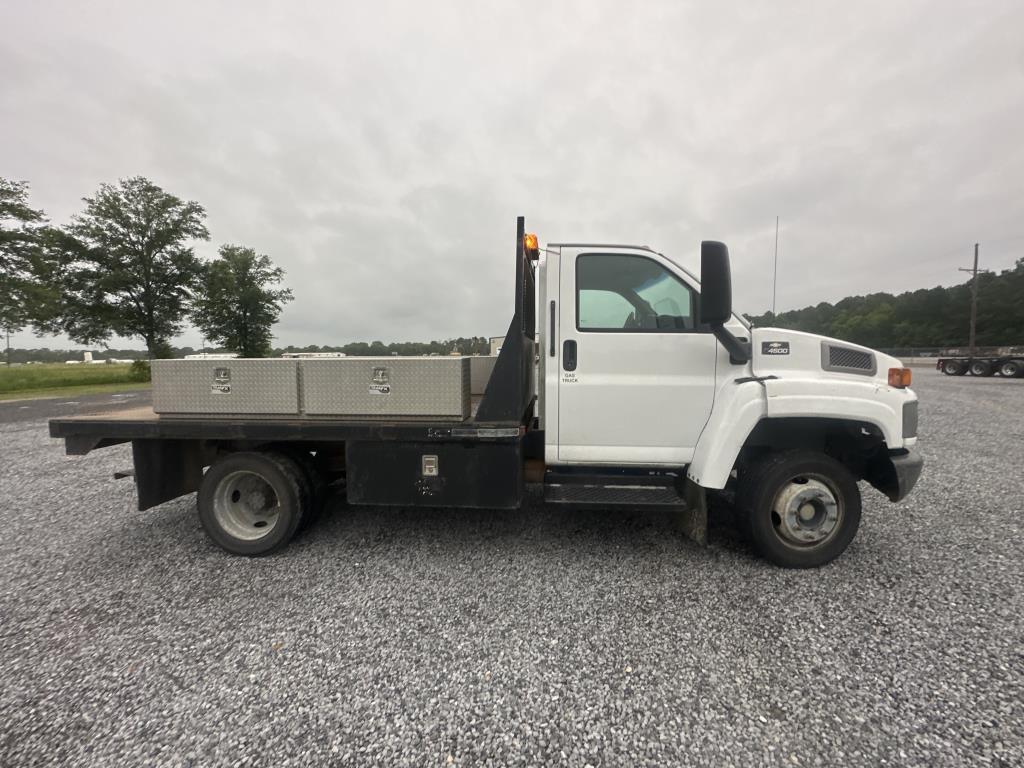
[(246, 506), (1009, 369), (807, 511)]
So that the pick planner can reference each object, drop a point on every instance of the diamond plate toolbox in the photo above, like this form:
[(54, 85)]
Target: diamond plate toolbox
[(230, 386), (382, 387)]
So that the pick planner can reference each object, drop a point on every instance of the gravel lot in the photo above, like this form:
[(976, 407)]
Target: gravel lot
[(539, 637)]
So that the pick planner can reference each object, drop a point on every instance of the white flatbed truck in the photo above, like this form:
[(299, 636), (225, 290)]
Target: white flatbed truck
[(623, 379)]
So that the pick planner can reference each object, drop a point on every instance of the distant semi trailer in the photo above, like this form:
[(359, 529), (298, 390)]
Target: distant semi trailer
[(1009, 367)]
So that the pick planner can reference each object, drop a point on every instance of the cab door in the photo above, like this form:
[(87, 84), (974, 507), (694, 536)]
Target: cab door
[(636, 378)]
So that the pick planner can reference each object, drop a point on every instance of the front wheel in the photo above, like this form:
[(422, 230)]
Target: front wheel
[(801, 508)]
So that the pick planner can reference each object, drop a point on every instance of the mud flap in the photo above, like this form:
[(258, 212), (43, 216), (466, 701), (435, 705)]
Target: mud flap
[(692, 520), (166, 469)]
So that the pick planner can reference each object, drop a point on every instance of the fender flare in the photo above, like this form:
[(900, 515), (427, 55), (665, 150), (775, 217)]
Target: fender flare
[(739, 408)]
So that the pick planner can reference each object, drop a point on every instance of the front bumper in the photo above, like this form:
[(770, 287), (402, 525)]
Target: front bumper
[(907, 465)]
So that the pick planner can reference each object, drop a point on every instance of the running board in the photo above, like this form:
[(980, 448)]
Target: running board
[(645, 491), (613, 490)]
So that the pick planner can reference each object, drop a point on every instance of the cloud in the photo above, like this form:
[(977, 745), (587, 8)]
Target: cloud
[(380, 152)]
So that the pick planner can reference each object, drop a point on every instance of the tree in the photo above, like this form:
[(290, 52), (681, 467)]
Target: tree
[(932, 317), (237, 303), (123, 265), (19, 254)]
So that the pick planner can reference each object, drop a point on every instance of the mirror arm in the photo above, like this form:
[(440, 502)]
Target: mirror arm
[(739, 351)]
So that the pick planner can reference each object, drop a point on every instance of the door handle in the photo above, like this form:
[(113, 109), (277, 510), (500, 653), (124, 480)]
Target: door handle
[(569, 355), (551, 329)]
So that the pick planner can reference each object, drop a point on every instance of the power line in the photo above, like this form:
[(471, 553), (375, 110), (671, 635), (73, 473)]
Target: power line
[(974, 297)]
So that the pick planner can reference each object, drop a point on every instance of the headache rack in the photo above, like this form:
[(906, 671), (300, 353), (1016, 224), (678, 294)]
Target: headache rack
[(511, 390)]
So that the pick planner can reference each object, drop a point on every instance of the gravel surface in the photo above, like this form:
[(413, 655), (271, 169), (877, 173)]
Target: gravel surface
[(547, 636)]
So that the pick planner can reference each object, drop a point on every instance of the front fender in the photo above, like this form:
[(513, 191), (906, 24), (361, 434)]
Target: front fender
[(739, 406), (836, 398)]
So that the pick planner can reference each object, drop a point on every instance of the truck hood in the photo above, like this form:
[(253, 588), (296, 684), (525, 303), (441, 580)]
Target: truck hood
[(777, 351)]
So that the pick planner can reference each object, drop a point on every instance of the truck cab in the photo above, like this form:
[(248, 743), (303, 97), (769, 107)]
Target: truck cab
[(645, 373)]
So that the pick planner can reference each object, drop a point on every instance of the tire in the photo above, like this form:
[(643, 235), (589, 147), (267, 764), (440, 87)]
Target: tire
[(1012, 369), (799, 483), (954, 368), (252, 503), (314, 485), (981, 368)]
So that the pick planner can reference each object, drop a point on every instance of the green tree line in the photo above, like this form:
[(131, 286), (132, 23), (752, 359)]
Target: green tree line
[(126, 265), (473, 345), (930, 317)]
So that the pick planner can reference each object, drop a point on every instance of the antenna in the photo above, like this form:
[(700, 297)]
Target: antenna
[(775, 274)]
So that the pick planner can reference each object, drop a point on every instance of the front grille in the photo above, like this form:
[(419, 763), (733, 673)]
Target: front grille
[(910, 419), (846, 360)]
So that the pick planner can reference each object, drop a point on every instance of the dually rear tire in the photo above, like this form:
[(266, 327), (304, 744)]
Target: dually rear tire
[(252, 503)]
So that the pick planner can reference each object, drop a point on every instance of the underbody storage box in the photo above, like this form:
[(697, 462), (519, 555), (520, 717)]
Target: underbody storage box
[(438, 474), (436, 388)]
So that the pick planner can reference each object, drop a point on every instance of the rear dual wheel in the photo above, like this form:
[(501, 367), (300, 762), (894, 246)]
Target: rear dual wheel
[(982, 368), (253, 503), (954, 368), (800, 508), (314, 485)]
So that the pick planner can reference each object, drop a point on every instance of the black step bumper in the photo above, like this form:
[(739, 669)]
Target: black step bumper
[(908, 465)]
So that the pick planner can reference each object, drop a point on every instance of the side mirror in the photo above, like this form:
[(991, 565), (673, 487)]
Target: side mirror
[(715, 283), (716, 298)]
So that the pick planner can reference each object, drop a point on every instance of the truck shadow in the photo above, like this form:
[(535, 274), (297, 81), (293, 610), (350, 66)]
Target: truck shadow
[(535, 525)]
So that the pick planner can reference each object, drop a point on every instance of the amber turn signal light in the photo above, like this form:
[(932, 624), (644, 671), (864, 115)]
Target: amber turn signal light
[(531, 245), (899, 377)]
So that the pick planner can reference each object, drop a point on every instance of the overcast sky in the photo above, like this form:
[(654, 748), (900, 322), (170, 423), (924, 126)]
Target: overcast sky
[(380, 151)]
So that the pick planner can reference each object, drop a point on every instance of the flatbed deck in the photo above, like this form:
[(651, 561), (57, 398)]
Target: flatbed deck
[(476, 461), (86, 432)]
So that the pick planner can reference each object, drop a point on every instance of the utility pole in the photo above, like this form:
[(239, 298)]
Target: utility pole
[(974, 299), (775, 271)]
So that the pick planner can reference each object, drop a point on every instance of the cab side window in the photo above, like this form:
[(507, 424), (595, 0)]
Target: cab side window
[(617, 292), (603, 309)]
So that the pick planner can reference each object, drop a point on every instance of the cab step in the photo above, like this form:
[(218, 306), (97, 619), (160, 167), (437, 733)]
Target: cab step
[(619, 489)]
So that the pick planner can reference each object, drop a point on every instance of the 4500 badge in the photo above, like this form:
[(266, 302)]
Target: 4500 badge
[(774, 347)]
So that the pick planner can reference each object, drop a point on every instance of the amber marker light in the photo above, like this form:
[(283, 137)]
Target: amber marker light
[(531, 245), (900, 377)]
